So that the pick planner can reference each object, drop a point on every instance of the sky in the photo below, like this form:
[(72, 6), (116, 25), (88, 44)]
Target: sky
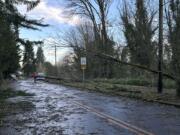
[(52, 13)]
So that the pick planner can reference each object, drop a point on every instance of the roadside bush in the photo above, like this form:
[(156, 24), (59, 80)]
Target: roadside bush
[(169, 84)]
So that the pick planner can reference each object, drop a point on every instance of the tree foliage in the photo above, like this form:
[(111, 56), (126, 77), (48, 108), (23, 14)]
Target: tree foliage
[(29, 59), (96, 11), (9, 50), (11, 20), (50, 70), (173, 21), (40, 56), (139, 33)]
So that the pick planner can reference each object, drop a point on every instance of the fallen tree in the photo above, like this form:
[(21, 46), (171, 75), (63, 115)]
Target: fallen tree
[(111, 58)]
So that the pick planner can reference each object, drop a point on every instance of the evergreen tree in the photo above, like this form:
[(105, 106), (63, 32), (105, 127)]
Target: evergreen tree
[(28, 59), (10, 21), (40, 56), (9, 50)]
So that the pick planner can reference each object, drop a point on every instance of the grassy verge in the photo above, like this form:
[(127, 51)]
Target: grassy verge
[(139, 92), (168, 84), (7, 108), (8, 93)]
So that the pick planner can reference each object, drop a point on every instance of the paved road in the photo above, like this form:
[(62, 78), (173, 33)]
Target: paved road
[(62, 110)]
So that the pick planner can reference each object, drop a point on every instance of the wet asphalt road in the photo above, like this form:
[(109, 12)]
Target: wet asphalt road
[(61, 110)]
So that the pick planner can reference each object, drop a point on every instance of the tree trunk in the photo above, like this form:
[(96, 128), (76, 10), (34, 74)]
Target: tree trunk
[(178, 88), (160, 55), (111, 58), (1, 78)]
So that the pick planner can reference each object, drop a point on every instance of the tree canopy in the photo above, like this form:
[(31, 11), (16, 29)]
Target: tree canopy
[(11, 20)]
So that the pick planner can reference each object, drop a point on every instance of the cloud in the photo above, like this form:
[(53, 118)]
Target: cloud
[(50, 13)]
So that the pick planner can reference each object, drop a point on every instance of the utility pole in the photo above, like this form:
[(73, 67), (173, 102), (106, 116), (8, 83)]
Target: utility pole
[(160, 54), (55, 60)]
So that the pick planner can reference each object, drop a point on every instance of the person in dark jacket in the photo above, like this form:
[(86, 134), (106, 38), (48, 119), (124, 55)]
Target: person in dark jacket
[(34, 76)]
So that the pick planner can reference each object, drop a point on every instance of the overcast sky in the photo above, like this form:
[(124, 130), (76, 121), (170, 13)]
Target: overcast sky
[(52, 12)]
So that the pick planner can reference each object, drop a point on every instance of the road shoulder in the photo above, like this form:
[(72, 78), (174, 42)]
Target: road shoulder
[(148, 94)]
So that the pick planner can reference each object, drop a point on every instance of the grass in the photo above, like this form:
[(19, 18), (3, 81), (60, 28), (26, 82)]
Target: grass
[(7, 108), (138, 82), (113, 87), (8, 93)]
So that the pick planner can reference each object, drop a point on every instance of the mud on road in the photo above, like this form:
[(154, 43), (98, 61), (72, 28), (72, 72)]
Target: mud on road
[(60, 110)]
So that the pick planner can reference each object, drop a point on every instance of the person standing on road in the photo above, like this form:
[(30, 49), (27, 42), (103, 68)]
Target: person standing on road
[(34, 76)]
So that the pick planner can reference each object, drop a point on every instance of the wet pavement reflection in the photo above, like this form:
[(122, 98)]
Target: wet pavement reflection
[(55, 113)]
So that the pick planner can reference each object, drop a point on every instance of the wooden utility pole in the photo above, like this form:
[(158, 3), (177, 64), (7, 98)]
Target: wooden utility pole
[(160, 57), (55, 60)]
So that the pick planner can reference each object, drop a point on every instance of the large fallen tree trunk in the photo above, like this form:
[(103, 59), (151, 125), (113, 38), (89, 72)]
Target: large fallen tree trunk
[(111, 58), (61, 79)]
